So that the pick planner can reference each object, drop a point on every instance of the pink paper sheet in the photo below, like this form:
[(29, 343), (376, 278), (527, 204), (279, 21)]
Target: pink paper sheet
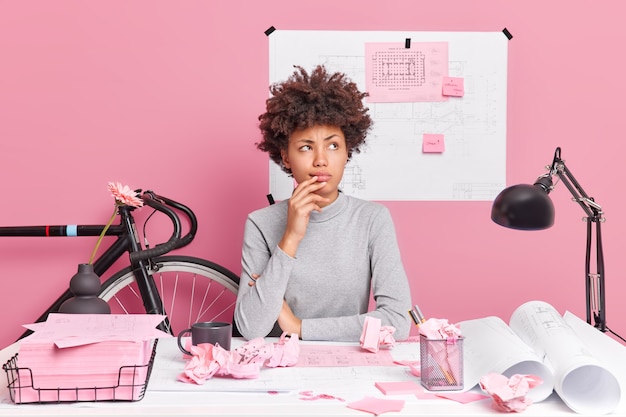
[(399, 387), (84, 357), (328, 355), (377, 406)]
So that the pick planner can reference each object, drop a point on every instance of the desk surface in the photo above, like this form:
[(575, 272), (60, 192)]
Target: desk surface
[(350, 384)]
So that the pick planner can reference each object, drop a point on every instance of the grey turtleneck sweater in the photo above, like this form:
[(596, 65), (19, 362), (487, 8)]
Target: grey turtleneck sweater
[(349, 249)]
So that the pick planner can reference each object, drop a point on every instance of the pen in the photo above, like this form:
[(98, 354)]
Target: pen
[(414, 317), (416, 313), (419, 314)]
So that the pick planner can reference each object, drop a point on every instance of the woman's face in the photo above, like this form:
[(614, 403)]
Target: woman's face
[(318, 151)]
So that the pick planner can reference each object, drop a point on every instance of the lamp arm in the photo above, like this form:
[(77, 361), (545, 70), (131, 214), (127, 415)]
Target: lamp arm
[(592, 209), (594, 283)]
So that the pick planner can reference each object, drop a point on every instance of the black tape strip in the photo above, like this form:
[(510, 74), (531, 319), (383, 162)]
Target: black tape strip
[(507, 33), (407, 43), (269, 31)]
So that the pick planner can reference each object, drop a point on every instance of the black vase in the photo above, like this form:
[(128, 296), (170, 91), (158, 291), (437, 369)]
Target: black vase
[(85, 286)]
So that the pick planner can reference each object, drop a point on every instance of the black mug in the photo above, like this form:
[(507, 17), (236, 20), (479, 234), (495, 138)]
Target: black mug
[(214, 332)]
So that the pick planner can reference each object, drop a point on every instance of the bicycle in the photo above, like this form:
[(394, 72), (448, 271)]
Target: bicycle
[(185, 289)]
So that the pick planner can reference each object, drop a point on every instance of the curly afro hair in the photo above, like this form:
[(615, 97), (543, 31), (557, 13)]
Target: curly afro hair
[(303, 101)]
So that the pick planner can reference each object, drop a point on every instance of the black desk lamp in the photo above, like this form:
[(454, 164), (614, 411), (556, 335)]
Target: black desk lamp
[(528, 207)]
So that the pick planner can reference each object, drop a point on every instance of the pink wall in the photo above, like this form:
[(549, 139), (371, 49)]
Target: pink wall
[(165, 95)]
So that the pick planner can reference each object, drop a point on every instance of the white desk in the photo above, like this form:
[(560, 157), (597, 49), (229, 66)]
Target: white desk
[(350, 385)]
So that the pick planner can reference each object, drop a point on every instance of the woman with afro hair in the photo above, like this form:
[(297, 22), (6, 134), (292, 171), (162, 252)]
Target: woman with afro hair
[(310, 263)]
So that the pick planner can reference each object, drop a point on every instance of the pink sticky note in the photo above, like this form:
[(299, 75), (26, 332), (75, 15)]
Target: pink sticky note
[(433, 143), (377, 406), (453, 86), (462, 397), (399, 387), (424, 395)]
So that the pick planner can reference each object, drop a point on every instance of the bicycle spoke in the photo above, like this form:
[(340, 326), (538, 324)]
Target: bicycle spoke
[(121, 305), (169, 323), (211, 305), (192, 289), (232, 305), (173, 296), (206, 294)]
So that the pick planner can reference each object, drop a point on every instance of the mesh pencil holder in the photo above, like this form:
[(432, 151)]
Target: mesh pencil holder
[(441, 363)]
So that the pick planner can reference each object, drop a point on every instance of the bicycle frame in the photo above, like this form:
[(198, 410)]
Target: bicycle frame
[(127, 241)]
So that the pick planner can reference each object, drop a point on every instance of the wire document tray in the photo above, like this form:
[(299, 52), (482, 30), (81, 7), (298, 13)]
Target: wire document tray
[(132, 381)]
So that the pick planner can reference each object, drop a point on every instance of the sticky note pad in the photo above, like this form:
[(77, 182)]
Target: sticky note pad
[(433, 143), (453, 86), (399, 388)]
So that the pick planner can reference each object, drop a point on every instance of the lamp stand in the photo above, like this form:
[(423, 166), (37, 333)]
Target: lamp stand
[(594, 283)]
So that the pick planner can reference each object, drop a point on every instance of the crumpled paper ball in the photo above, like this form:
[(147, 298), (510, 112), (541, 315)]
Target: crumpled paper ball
[(509, 394), (439, 329), (246, 361), (375, 335)]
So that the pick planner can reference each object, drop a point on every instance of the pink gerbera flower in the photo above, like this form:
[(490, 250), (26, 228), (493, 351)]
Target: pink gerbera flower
[(124, 196)]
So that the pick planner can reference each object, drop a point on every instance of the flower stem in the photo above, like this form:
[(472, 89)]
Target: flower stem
[(104, 231)]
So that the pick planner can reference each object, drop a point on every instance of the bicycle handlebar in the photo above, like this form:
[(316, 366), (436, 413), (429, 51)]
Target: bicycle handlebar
[(165, 205)]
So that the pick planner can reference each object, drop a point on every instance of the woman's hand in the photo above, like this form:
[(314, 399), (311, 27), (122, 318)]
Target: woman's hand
[(302, 202), (254, 278), (288, 322)]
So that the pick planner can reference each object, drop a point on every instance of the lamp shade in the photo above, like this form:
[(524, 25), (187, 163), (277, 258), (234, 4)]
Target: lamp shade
[(523, 207)]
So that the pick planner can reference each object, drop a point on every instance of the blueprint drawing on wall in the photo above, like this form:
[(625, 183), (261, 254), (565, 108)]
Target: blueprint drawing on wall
[(393, 165)]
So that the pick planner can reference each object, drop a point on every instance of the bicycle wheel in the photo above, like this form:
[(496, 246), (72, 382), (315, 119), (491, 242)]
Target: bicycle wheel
[(191, 290)]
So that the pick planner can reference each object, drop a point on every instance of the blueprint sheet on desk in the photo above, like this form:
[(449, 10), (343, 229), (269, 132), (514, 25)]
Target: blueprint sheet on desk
[(169, 363)]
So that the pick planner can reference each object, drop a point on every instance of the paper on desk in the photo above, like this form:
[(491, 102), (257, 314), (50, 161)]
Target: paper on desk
[(539, 342), (375, 335), (509, 394), (336, 355), (580, 379), (243, 362), (377, 406), (399, 387), (461, 397), (610, 351), (67, 330), (76, 357), (370, 336), (169, 362), (491, 346), (50, 374)]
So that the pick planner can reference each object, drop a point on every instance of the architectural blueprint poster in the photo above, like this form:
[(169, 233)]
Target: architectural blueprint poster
[(400, 161)]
